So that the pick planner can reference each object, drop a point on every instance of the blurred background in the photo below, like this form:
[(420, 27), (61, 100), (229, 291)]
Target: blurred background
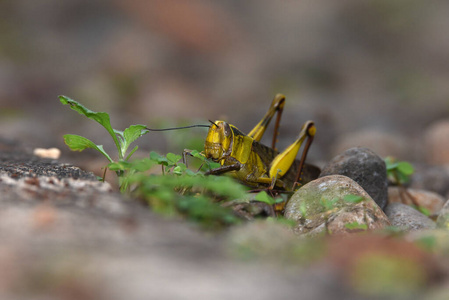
[(373, 73)]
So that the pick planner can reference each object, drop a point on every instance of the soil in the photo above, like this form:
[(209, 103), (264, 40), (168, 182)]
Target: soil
[(59, 225)]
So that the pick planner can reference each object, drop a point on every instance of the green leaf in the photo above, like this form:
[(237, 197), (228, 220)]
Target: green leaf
[(180, 169), (162, 160), (131, 134), (263, 197), (405, 168), (101, 117), (390, 163), (197, 154), (80, 143), (173, 158), (353, 198)]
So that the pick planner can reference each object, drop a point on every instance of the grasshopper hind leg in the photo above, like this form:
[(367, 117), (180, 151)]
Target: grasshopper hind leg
[(282, 163), (277, 106)]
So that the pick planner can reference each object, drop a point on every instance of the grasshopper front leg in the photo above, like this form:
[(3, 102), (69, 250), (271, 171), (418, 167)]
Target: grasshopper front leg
[(223, 169)]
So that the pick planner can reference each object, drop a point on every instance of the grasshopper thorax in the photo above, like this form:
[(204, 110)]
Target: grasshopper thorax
[(218, 141)]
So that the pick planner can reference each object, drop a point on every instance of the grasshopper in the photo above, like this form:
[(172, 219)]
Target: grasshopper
[(257, 165)]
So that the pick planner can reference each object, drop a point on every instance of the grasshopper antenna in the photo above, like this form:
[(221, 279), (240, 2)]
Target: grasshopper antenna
[(176, 128), (213, 123)]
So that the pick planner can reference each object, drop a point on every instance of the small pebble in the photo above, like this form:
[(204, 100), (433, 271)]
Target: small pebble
[(53, 153)]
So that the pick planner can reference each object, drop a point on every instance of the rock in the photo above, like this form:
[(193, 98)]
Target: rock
[(431, 178), (443, 218), (424, 199), (436, 142), (320, 206), (364, 167), (407, 218), (53, 153)]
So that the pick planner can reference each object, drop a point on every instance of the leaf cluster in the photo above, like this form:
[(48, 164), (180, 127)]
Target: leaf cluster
[(398, 172), (181, 191), (122, 139)]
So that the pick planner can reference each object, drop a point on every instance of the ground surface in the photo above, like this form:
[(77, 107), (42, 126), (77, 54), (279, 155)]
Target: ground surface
[(65, 235)]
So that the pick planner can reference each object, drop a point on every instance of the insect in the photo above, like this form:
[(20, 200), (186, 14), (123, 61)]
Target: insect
[(257, 165)]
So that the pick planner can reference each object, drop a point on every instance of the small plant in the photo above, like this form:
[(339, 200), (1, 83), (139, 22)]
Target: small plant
[(178, 191), (398, 172), (122, 139)]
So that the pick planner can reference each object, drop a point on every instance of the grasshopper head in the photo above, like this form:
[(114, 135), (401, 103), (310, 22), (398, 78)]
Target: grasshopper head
[(218, 140)]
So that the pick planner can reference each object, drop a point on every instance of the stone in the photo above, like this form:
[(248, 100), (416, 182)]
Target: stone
[(53, 153), (408, 218), (322, 205), (364, 167), (432, 202), (436, 142)]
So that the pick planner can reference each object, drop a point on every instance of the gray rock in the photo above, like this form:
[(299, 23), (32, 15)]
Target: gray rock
[(364, 167), (321, 206), (408, 218)]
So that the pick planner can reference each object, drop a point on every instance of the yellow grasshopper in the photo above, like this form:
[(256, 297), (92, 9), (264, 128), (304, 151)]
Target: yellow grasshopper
[(257, 165)]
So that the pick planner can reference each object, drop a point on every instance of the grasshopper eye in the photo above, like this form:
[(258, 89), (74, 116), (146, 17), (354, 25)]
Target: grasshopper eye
[(226, 129)]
